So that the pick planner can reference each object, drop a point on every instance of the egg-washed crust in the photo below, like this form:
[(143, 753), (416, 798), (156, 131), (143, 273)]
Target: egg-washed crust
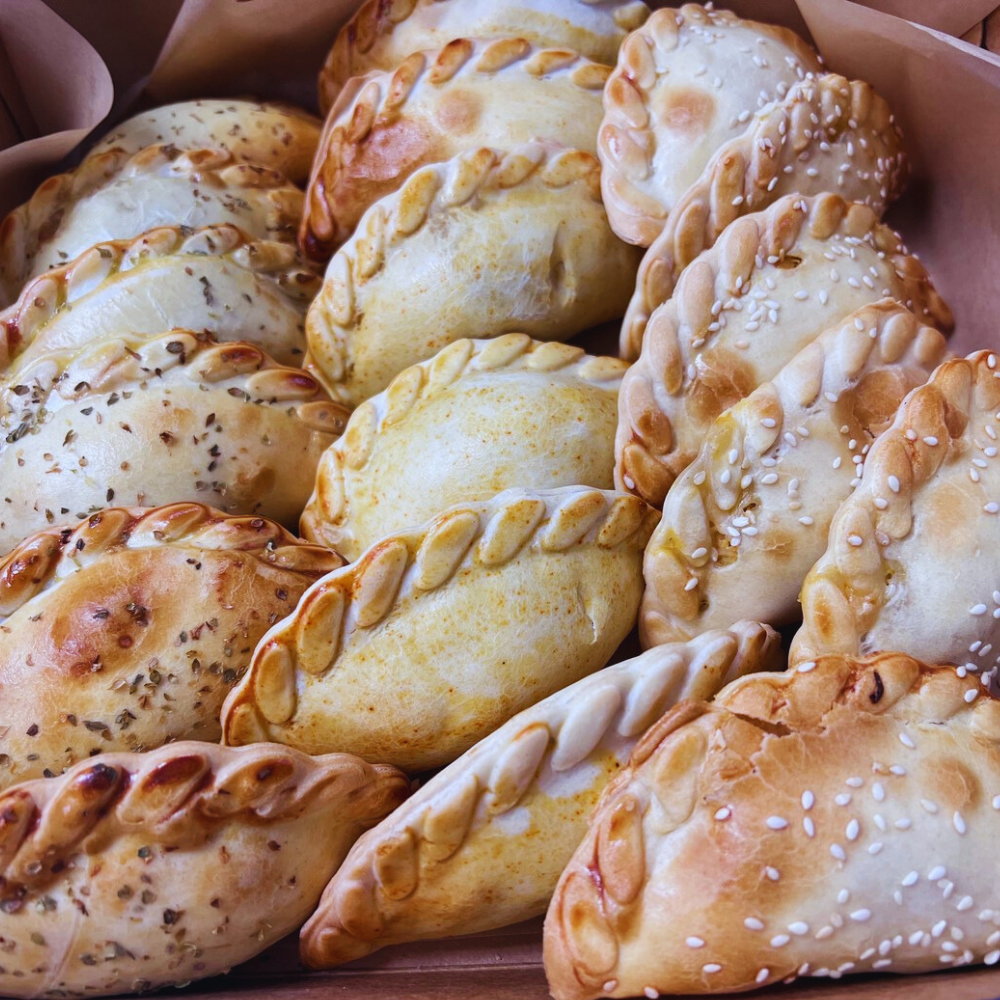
[(718, 773), (646, 453), (376, 897), (714, 490), (371, 105), (415, 564), (328, 514), (802, 145)]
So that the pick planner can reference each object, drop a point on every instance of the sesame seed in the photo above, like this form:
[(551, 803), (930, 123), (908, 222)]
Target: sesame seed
[(770, 479), (893, 484), (838, 852), (799, 928), (970, 696), (965, 903), (854, 782), (852, 830), (903, 823), (977, 609), (753, 924), (723, 814), (807, 825), (698, 478), (996, 802), (879, 821), (938, 929), (777, 822), (768, 422), (906, 740), (699, 553), (806, 520), (804, 668), (860, 916), (991, 958), (824, 932), (930, 440), (651, 993), (875, 847), (808, 799), (843, 896), (910, 879), (958, 822), (937, 873), (772, 873), (857, 540), (695, 942), (780, 940), (711, 967), (882, 963), (843, 799), (929, 806), (897, 770), (915, 938), (878, 792), (764, 973)]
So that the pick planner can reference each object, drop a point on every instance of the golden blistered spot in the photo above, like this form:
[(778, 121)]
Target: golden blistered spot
[(686, 110)]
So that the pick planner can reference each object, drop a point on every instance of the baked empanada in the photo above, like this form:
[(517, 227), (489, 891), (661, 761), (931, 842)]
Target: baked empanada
[(129, 631), (686, 82), (769, 286), (438, 635), (482, 844), (913, 555), (828, 134), (136, 871), (804, 824), (154, 420), (382, 34), (435, 105), (215, 279), (745, 521)]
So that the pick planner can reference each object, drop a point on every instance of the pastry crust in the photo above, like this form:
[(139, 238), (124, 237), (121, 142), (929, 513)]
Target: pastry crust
[(804, 824), (216, 279), (828, 134), (686, 82), (769, 286), (130, 629), (382, 34), (745, 521), (556, 572), (153, 420), (482, 843), (471, 93), (487, 243), (136, 871), (911, 559)]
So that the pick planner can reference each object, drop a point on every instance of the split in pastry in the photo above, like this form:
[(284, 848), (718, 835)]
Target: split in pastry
[(556, 574), (769, 286), (136, 871), (745, 521), (435, 105), (803, 824), (828, 134), (482, 844), (129, 630), (488, 243), (912, 557), (686, 82), (154, 420)]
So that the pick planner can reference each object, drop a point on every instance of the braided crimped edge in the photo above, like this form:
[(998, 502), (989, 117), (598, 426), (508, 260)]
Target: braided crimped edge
[(845, 590), (178, 789), (644, 463), (468, 536), (784, 139), (492, 778), (626, 131), (700, 503)]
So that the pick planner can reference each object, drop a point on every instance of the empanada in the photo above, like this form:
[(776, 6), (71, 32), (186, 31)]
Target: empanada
[(482, 844), (828, 134), (382, 34), (745, 521), (686, 82), (804, 824), (433, 106), (490, 242), (136, 871), (153, 420), (769, 286), (129, 630), (215, 279), (913, 558), (438, 635)]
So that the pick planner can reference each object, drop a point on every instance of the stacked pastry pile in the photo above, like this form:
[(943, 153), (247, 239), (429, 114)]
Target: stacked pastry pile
[(481, 523)]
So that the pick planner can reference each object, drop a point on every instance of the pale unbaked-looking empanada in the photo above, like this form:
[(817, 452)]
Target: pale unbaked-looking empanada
[(804, 824), (482, 844), (215, 279), (129, 630), (434, 105), (828, 134), (769, 286), (481, 417), (490, 242), (136, 871), (686, 82), (384, 32), (745, 521), (913, 559), (438, 635)]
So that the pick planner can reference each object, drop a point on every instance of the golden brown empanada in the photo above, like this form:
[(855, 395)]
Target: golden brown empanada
[(129, 630), (745, 521), (490, 242), (435, 105), (686, 82), (482, 844), (439, 634), (804, 824), (913, 555), (769, 286), (135, 871)]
